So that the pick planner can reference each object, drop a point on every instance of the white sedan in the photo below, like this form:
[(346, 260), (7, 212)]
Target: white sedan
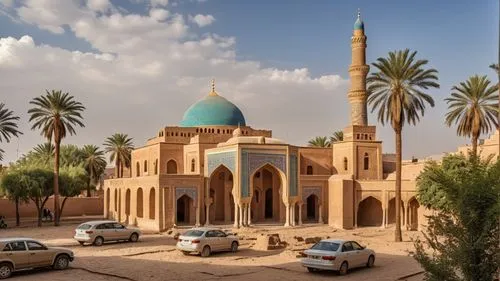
[(337, 255)]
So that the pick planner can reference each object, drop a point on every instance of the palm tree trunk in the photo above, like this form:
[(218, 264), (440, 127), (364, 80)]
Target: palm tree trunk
[(397, 233), (56, 179), (475, 137), (18, 220), (117, 168), (89, 182)]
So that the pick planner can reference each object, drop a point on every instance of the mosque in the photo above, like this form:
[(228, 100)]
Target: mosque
[(216, 169)]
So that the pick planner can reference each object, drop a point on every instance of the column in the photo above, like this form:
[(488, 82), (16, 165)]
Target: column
[(240, 208), (106, 200), (249, 222), (174, 208), (300, 213), (236, 219), (383, 217), (207, 212), (287, 219), (320, 210), (197, 223)]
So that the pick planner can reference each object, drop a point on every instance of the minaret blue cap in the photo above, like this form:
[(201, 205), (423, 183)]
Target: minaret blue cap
[(359, 25)]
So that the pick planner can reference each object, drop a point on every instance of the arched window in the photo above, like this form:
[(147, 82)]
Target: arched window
[(193, 165), (156, 167), (197, 130), (366, 161), (171, 167), (218, 131), (138, 169), (145, 166), (309, 170), (345, 164)]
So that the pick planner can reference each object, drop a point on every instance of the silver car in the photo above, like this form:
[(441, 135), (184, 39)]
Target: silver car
[(23, 253), (98, 232), (206, 240), (338, 255)]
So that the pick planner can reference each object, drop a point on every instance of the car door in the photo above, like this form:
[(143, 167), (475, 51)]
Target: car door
[(39, 255), (18, 253), (121, 231), (360, 254), (212, 240), (347, 254), (223, 241)]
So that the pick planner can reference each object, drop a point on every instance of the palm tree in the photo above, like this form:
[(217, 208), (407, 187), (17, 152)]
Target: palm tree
[(56, 114), (120, 147), (496, 67), (319, 142), (337, 136), (95, 164), (396, 91), (8, 126), (473, 107)]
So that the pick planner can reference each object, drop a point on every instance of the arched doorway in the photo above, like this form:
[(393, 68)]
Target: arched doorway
[(184, 210), (266, 191), (312, 208), (140, 203), (413, 206), (370, 212), (221, 186), (391, 212), (127, 203), (171, 167), (152, 203)]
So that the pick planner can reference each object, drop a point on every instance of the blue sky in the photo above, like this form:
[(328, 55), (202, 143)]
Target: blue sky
[(459, 38)]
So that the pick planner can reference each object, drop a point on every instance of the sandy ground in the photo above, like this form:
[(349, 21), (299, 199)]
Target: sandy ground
[(154, 257)]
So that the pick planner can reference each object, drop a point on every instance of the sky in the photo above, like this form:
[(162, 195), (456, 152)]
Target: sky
[(137, 65)]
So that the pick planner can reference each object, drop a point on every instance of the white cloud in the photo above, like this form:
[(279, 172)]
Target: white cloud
[(147, 71), (202, 20), (98, 5), (7, 3)]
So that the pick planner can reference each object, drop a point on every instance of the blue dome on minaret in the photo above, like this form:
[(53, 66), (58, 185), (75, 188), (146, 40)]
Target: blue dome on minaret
[(359, 25)]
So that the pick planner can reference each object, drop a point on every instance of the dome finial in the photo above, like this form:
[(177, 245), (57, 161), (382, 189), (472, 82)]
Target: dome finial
[(359, 25), (359, 13), (213, 92)]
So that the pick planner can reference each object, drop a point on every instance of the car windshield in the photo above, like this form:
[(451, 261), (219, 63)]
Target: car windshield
[(326, 246), (193, 233), (84, 226)]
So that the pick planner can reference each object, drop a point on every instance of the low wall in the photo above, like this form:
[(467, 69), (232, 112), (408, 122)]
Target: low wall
[(74, 207)]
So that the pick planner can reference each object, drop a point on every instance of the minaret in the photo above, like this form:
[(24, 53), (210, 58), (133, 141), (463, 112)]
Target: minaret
[(358, 71)]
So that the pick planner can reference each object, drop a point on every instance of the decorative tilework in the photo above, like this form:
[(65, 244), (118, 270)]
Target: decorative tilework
[(293, 177), (308, 190), (192, 192), (227, 159), (250, 162)]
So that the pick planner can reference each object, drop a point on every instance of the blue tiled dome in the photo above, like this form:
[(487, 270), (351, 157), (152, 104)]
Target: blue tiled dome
[(359, 24), (213, 110)]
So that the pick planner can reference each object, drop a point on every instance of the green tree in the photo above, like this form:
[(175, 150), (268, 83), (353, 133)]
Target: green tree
[(71, 155), (337, 136), (319, 142), (37, 182), (496, 68), (56, 114), (17, 192), (120, 147), (396, 91), (95, 164), (8, 126), (462, 239), (72, 179), (473, 108)]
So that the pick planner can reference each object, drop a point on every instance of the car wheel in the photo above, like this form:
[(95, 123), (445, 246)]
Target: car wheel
[(186, 253), (81, 243), (343, 268), (234, 247), (205, 252), (61, 262), (134, 237), (310, 269), (371, 261), (5, 270), (98, 241)]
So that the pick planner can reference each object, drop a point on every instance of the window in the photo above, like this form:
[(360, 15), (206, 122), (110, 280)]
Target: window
[(220, 233), (34, 246), (347, 247), (101, 226), (211, 233), (171, 167), (145, 166), (193, 233), (118, 226), (18, 246), (356, 246), (6, 248), (218, 131), (345, 164), (366, 161), (137, 169), (309, 170), (86, 226), (156, 167), (326, 246), (193, 165)]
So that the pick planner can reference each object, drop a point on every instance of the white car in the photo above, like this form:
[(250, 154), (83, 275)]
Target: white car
[(206, 240), (337, 255)]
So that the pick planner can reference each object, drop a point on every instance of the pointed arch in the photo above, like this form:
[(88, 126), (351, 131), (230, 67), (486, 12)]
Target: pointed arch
[(140, 203), (152, 203), (370, 212), (171, 166)]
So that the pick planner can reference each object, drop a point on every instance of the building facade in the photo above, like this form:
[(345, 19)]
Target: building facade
[(216, 169)]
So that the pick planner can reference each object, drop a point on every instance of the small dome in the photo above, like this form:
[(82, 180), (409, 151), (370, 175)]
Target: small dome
[(213, 110), (358, 24)]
